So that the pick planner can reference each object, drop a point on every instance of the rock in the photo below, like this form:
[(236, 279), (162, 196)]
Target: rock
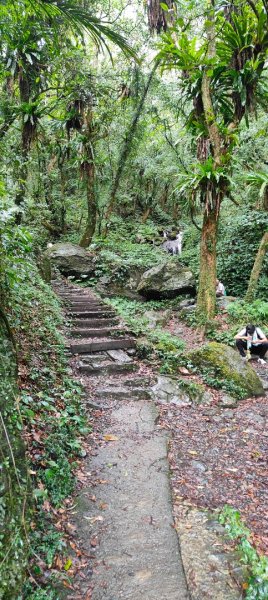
[(173, 391), (71, 259), (166, 280), (131, 351), (225, 364), (121, 283), (188, 309), (186, 304), (228, 402), (156, 318), (199, 466), (224, 302), (207, 556), (44, 266), (119, 356), (167, 390)]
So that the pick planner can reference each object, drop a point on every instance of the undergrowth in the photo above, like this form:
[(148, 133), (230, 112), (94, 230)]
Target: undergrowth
[(256, 586), (51, 420), (153, 340)]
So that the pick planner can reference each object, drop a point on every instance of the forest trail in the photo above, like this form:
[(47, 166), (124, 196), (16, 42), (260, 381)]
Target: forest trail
[(123, 515)]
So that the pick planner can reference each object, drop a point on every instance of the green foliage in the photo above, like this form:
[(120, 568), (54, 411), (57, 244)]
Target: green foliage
[(242, 312), (239, 239), (50, 403), (257, 565), (164, 345), (219, 383)]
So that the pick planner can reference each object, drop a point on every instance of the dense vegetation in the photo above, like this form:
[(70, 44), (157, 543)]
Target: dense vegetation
[(112, 130)]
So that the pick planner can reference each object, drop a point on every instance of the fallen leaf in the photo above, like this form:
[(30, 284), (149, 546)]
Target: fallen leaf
[(68, 564), (110, 438)]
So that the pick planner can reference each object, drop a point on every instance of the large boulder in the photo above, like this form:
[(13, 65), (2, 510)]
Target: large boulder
[(121, 283), (71, 259), (166, 280), (219, 361)]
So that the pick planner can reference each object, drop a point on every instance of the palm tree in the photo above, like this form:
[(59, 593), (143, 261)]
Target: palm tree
[(76, 17)]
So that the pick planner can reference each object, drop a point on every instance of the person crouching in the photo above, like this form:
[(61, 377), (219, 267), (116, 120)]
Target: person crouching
[(252, 341)]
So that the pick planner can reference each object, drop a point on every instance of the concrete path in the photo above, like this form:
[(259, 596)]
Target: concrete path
[(137, 553), (125, 521)]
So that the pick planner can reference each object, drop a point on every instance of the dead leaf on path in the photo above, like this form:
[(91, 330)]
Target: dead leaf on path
[(94, 519), (103, 505), (192, 452), (110, 438), (68, 564), (68, 585)]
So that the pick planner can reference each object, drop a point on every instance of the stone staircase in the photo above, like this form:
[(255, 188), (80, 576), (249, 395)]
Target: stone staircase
[(102, 346)]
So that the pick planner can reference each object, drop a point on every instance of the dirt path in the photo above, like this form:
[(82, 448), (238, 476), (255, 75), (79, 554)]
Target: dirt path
[(123, 514)]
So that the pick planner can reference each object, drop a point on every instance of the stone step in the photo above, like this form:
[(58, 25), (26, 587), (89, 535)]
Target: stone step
[(119, 356), (100, 332), (84, 323), (95, 357), (87, 306), (140, 381), (123, 393), (108, 368), (90, 314), (97, 346), (79, 296)]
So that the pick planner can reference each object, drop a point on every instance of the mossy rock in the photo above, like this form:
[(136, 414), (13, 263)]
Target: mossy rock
[(196, 392), (225, 364)]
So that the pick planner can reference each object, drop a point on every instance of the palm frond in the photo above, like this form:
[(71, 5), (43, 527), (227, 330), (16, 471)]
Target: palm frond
[(80, 21)]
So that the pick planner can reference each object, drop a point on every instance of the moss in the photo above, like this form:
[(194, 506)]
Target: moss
[(195, 391), (224, 366)]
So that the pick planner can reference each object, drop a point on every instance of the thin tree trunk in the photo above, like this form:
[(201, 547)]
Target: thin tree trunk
[(89, 173), (146, 214), (206, 298), (127, 144), (256, 269)]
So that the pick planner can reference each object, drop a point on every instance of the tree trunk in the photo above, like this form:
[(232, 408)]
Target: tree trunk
[(146, 214), (89, 174), (27, 135), (128, 143), (206, 298), (256, 269)]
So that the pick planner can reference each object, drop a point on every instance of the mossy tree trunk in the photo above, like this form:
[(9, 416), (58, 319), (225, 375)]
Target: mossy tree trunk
[(206, 298), (89, 174), (87, 169), (257, 267)]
